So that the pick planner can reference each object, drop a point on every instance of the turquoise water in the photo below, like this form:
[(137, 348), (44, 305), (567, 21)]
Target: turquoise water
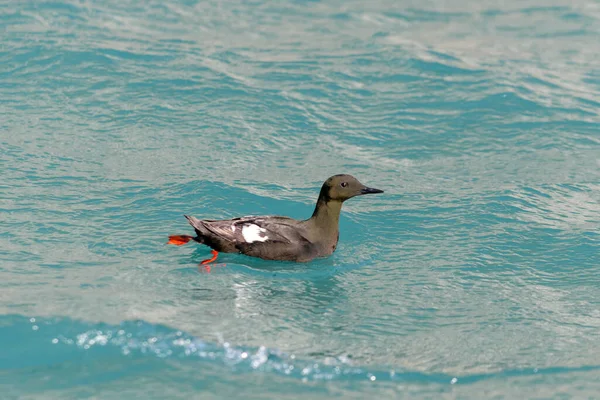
[(476, 275)]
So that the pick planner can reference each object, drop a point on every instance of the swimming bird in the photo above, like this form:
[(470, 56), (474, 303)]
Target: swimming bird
[(280, 238)]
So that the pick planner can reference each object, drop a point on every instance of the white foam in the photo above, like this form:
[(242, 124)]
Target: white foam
[(251, 233)]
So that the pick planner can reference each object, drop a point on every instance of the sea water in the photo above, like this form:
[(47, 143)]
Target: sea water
[(475, 275)]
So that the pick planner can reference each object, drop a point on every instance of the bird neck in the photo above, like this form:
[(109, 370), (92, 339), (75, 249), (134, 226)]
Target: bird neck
[(327, 215)]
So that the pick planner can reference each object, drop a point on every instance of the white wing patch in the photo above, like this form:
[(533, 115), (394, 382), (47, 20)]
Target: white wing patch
[(252, 233), (232, 227)]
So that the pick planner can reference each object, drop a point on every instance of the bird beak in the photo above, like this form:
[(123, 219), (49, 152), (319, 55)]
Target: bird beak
[(367, 190)]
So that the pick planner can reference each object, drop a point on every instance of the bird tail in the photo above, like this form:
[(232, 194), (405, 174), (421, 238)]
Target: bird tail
[(179, 240)]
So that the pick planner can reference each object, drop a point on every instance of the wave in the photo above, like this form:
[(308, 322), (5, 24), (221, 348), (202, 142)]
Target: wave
[(52, 341)]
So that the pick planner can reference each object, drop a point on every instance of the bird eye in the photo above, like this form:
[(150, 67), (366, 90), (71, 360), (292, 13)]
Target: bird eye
[(344, 184)]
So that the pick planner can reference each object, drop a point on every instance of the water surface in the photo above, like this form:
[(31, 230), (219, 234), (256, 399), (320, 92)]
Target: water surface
[(475, 275)]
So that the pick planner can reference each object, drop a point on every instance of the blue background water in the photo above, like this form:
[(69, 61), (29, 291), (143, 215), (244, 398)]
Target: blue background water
[(475, 275)]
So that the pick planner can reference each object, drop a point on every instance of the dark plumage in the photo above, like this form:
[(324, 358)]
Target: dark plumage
[(281, 238)]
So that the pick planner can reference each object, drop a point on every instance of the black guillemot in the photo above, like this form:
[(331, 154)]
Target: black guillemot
[(280, 238)]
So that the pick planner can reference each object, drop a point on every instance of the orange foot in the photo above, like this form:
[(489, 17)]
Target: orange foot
[(215, 254), (205, 263)]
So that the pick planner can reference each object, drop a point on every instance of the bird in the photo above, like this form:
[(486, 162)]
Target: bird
[(276, 237)]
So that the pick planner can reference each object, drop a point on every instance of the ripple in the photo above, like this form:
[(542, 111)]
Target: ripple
[(478, 266)]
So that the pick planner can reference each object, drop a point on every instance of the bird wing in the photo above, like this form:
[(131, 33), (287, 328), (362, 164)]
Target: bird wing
[(252, 229), (268, 237), (275, 238)]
